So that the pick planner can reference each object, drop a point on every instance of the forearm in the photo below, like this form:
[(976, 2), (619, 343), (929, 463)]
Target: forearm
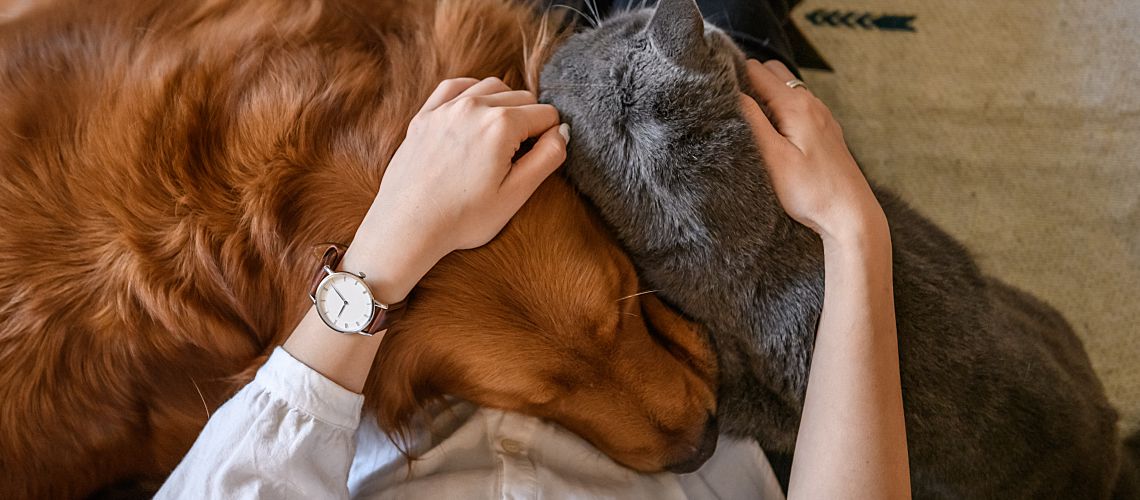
[(852, 437), (393, 259), (343, 358)]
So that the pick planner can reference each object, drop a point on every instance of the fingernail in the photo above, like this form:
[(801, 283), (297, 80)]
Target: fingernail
[(564, 131)]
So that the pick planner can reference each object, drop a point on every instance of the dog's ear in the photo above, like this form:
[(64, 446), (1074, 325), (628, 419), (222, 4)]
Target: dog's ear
[(684, 338)]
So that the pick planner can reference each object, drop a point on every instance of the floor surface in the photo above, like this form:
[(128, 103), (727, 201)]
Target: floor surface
[(1015, 125)]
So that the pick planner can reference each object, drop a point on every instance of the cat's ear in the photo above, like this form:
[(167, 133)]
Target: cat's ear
[(677, 31)]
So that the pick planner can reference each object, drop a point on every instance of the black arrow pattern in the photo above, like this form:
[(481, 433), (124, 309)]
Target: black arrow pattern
[(865, 20)]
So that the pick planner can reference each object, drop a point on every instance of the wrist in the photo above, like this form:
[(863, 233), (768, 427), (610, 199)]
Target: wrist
[(855, 225), (392, 259), (862, 233)]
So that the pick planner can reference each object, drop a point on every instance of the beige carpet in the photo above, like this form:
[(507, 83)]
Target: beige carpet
[(1015, 125)]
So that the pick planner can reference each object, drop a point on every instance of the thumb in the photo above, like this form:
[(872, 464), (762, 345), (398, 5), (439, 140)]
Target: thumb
[(547, 154), (767, 137)]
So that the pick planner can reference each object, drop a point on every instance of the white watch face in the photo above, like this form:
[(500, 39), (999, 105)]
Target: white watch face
[(344, 302)]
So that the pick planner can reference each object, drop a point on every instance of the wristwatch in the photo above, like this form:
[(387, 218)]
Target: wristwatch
[(344, 301)]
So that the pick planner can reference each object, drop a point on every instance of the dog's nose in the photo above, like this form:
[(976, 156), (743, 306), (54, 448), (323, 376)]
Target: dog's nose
[(701, 452)]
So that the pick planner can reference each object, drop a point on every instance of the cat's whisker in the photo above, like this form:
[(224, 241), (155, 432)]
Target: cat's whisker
[(592, 5), (636, 294), (580, 13)]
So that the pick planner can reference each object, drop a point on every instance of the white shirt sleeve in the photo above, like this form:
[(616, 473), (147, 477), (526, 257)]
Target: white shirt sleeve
[(287, 434)]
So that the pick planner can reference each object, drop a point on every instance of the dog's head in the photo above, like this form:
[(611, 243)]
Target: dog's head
[(549, 319)]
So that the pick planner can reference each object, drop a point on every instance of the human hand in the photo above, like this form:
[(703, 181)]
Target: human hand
[(813, 173), (452, 183), (453, 171)]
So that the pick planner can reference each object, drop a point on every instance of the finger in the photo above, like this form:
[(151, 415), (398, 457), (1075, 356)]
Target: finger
[(533, 118), (778, 68), (767, 137), (767, 85), (485, 86), (536, 165), (446, 91), (510, 98)]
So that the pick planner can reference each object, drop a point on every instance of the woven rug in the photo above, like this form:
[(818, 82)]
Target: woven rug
[(1015, 125)]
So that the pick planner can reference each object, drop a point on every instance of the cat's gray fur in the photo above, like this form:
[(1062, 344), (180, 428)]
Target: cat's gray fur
[(1000, 397)]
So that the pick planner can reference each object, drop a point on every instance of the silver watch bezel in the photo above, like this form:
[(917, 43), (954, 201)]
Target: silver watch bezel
[(329, 275)]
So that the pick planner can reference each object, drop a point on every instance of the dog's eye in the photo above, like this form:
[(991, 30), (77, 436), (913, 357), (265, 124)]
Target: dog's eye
[(662, 339)]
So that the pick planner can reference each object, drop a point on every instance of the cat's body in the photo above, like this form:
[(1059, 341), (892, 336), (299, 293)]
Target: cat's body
[(1000, 397)]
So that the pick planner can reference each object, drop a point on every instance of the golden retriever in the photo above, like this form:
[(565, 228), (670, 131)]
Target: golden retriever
[(166, 169)]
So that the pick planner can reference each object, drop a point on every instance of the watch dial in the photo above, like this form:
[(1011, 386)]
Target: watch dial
[(344, 302)]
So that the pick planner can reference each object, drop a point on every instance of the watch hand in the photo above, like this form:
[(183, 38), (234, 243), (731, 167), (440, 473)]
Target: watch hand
[(341, 309), (338, 295)]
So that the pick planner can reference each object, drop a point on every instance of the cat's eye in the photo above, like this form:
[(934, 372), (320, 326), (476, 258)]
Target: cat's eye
[(639, 43), (626, 91), (627, 98)]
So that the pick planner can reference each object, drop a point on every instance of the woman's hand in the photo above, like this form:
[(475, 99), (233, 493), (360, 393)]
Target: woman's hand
[(454, 169), (452, 183), (812, 171)]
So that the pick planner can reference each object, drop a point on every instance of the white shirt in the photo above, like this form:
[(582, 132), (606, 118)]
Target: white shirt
[(292, 433)]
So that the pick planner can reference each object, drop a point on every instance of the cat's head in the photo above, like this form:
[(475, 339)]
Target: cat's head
[(645, 92), (644, 67)]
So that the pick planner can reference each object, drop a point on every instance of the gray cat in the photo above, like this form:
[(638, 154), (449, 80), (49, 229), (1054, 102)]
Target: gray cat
[(1000, 397)]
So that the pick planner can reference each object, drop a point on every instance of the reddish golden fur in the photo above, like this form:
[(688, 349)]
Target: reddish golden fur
[(167, 167)]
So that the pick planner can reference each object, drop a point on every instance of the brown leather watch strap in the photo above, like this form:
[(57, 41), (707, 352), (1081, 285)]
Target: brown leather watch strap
[(384, 314), (383, 318), (329, 257)]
